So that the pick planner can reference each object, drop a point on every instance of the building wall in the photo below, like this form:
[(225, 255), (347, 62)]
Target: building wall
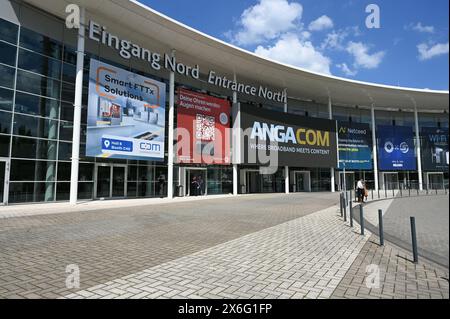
[(37, 76)]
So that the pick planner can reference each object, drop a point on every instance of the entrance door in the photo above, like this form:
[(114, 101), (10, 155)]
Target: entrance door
[(253, 183), (391, 181), (110, 181), (196, 183), (302, 182), (435, 180), (3, 182), (349, 182)]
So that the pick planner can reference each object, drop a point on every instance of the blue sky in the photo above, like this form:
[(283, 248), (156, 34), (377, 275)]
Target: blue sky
[(330, 36)]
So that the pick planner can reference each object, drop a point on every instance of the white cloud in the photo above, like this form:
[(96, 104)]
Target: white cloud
[(321, 23), (291, 49), (427, 52), (362, 57), (335, 39), (346, 70), (266, 20), (422, 28)]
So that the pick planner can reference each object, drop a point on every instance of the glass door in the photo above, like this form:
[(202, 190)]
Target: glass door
[(391, 181), (118, 181), (103, 181), (302, 182), (197, 182), (349, 183), (435, 180), (253, 182), (110, 181)]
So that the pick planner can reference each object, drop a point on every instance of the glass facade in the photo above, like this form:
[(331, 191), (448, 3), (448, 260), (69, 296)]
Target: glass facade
[(37, 76)]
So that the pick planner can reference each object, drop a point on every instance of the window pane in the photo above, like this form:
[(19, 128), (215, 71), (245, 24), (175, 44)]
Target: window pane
[(33, 148), (6, 99), (4, 145), (36, 105), (6, 76), (66, 112), (69, 72), (32, 170), (65, 131), (62, 191), (8, 55), (39, 43), (39, 64), (85, 190), (64, 171), (8, 31), (33, 83), (31, 192), (86, 172), (5, 122), (34, 126), (68, 92)]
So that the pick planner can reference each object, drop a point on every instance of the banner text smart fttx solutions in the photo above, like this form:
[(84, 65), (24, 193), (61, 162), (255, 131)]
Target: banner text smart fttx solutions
[(126, 114)]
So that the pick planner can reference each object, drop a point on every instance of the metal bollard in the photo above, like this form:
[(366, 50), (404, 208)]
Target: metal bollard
[(393, 195), (351, 215), (401, 193), (378, 193), (414, 239), (340, 202), (372, 193), (409, 192), (380, 226), (385, 192), (361, 218), (436, 190)]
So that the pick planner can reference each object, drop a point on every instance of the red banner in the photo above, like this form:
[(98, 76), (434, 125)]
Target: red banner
[(203, 135)]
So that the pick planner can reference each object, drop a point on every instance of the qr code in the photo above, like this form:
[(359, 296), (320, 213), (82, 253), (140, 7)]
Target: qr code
[(204, 127)]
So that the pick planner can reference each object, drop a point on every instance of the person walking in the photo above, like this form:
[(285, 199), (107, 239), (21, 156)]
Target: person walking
[(360, 190)]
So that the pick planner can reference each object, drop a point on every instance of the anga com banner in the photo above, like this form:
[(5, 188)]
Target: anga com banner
[(280, 139), (203, 129), (126, 114)]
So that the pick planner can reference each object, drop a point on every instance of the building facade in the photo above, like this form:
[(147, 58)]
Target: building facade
[(38, 68)]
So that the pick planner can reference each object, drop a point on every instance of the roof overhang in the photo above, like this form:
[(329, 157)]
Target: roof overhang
[(210, 52)]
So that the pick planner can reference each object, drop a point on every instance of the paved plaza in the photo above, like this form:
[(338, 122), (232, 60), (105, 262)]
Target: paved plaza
[(255, 246)]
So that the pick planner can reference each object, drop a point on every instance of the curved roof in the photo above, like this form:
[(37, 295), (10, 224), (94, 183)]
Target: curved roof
[(211, 52)]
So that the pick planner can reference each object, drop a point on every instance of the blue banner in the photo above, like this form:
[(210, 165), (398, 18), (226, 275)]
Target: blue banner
[(355, 146), (396, 148)]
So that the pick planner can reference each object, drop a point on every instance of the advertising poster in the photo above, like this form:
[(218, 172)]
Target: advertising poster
[(289, 139), (355, 146), (126, 114), (396, 148), (206, 119), (434, 149)]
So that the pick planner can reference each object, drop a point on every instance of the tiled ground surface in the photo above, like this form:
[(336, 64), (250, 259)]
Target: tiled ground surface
[(303, 258), (115, 242), (399, 277)]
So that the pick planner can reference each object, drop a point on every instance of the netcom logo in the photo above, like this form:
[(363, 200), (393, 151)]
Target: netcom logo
[(343, 130)]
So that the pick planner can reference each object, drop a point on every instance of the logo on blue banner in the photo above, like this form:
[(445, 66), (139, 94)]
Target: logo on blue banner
[(355, 146), (396, 148)]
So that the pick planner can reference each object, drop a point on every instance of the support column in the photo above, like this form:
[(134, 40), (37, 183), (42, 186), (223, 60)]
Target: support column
[(374, 147), (418, 151), (286, 168), (170, 136), (77, 112), (235, 137), (330, 116)]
